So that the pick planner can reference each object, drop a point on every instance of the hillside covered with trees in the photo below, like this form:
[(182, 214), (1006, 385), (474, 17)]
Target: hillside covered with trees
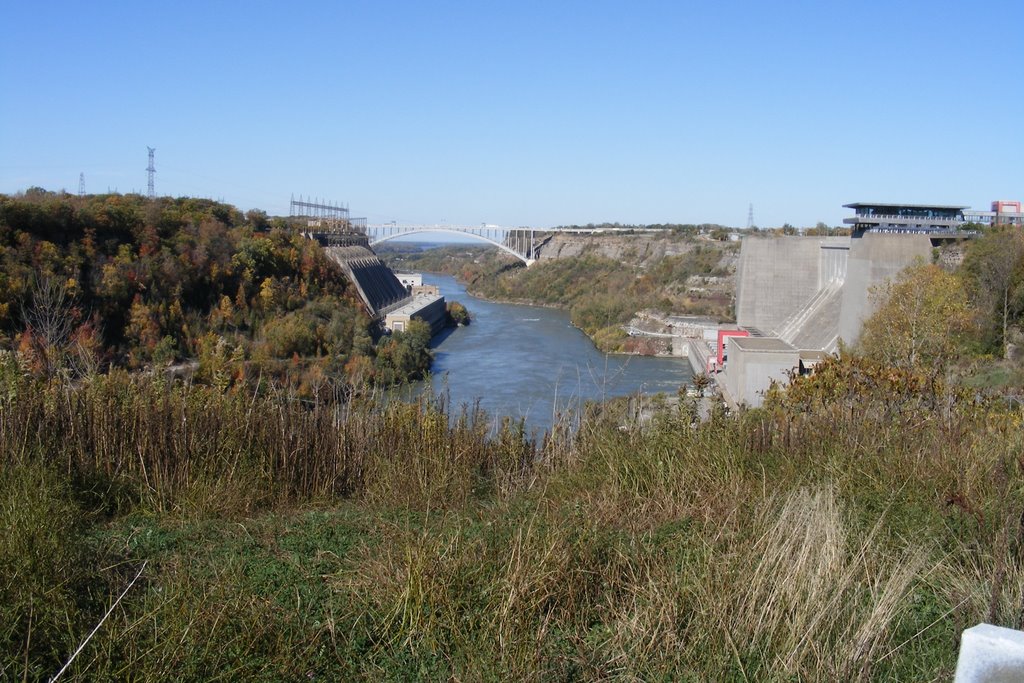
[(92, 282)]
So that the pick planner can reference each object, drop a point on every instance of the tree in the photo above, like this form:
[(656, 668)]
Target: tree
[(457, 313), (405, 355), (257, 219), (920, 320), (993, 267), (50, 314), (701, 382), (49, 321)]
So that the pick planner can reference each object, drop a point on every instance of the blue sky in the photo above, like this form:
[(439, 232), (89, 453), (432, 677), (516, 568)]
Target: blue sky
[(522, 113)]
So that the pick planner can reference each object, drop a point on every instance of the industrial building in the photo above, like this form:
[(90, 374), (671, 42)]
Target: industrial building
[(390, 300), (430, 308), (930, 218), (756, 362), (409, 280), (1004, 212), (798, 297)]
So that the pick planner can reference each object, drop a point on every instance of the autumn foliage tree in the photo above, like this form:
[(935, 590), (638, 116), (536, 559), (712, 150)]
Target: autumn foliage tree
[(994, 272), (155, 278), (920, 321)]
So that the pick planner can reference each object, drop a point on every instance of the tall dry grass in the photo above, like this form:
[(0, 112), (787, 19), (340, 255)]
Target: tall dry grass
[(133, 441), (388, 541)]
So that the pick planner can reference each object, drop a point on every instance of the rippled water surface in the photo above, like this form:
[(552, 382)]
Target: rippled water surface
[(523, 361)]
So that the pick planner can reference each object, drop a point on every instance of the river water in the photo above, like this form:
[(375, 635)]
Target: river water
[(530, 362)]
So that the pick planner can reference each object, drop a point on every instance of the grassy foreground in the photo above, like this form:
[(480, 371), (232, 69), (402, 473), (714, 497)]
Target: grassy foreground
[(848, 531)]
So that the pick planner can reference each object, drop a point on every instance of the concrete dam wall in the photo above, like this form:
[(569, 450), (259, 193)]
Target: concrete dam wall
[(376, 283), (874, 259), (778, 278), (812, 291)]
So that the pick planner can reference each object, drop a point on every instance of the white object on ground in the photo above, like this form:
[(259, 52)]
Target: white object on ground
[(990, 654)]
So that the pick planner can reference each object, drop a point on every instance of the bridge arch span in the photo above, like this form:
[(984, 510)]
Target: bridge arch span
[(375, 239)]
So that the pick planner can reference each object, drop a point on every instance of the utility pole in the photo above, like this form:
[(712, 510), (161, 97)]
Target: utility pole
[(152, 172)]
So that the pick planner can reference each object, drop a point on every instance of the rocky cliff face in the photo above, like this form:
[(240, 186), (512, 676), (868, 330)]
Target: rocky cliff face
[(641, 249)]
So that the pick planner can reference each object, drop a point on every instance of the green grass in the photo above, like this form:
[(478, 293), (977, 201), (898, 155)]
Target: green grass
[(287, 541)]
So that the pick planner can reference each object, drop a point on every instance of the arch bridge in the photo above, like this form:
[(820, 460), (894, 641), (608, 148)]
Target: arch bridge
[(518, 242)]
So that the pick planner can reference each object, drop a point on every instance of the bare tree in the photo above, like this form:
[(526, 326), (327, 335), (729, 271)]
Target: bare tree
[(49, 319)]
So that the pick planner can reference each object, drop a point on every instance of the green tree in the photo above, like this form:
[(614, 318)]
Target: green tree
[(993, 269), (405, 355), (457, 313), (920, 320)]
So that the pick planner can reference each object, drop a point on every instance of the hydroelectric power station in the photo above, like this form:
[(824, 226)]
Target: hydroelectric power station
[(346, 242)]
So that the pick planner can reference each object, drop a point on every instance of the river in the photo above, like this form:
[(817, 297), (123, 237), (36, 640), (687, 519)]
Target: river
[(530, 362)]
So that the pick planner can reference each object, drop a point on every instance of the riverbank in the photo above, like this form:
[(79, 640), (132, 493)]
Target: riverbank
[(672, 274), (531, 363), (654, 350)]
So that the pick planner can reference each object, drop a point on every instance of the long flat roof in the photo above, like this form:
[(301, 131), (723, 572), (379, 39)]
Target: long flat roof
[(416, 304), (857, 205), (762, 344)]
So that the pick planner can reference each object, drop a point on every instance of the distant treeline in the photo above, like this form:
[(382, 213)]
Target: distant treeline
[(710, 228), (678, 227)]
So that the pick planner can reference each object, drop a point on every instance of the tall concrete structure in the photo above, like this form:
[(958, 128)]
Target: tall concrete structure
[(378, 287), (813, 291), (874, 259), (801, 295), (345, 241), (789, 287)]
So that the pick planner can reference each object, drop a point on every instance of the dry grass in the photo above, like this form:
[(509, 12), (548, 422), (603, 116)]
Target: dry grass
[(371, 541), (816, 605)]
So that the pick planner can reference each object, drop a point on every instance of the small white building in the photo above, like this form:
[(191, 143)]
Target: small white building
[(410, 280)]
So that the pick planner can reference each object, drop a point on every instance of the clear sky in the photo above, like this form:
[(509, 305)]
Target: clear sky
[(522, 113)]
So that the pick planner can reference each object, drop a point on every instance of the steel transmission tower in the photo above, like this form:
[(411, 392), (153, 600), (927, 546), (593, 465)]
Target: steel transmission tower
[(81, 184), (152, 172), (750, 215)]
